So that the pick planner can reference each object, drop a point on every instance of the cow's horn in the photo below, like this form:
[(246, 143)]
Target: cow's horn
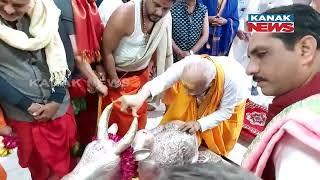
[(103, 122), (126, 141)]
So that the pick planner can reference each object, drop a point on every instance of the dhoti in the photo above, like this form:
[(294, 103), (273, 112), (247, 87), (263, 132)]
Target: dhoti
[(86, 119), (44, 147), (132, 82)]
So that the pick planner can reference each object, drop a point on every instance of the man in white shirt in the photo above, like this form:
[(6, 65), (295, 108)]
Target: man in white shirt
[(207, 94)]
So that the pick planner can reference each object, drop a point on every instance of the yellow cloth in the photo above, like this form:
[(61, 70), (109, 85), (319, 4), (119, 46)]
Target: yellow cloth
[(220, 139)]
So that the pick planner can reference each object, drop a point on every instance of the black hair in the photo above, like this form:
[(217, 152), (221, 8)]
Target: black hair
[(207, 171), (306, 22)]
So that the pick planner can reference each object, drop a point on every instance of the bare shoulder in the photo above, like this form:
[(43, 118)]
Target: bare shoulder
[(122, 19)]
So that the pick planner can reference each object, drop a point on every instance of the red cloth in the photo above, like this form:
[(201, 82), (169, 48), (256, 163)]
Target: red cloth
[(281, 102), (78, 88), (254, 122), (86, 119), (88, 29), (45, 147), (132, 82)]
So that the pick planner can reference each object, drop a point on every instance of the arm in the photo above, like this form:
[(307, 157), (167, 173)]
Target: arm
[(223, 5), (113, 33), (175, 48), (230, 17), (166, 79), (180, 53), (11, 95), (204, 36), (211, 19), (83, 66), (225, 110), (154, 87), (93, 81), (58, 95)]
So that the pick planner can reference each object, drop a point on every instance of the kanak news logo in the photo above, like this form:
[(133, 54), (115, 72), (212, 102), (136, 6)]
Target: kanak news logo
[(281, 23)]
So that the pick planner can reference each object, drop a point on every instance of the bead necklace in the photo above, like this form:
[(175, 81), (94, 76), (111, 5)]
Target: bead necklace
[(145, 31)]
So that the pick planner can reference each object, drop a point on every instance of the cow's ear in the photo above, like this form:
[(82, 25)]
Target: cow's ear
[(141, 154)]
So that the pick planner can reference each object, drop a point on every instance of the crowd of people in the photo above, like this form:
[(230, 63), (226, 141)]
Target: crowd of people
[(64, 61)]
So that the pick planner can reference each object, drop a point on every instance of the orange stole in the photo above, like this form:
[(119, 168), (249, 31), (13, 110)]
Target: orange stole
[(2, 120), (132, 82), (220, 139), (3, 174)]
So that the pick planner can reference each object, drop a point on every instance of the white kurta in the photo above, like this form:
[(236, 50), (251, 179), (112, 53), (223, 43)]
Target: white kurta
[(239, 47), (235, 90)]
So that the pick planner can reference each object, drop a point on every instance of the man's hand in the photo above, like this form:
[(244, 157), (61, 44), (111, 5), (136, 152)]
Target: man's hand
[(213, 20), (101, 89), (217, 21), (183, 54), (221, 21), (34, 108), (190, 127), (100, 72), (46, 112), (243, 35), (95, 85), (133, 101), (114, 83)]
